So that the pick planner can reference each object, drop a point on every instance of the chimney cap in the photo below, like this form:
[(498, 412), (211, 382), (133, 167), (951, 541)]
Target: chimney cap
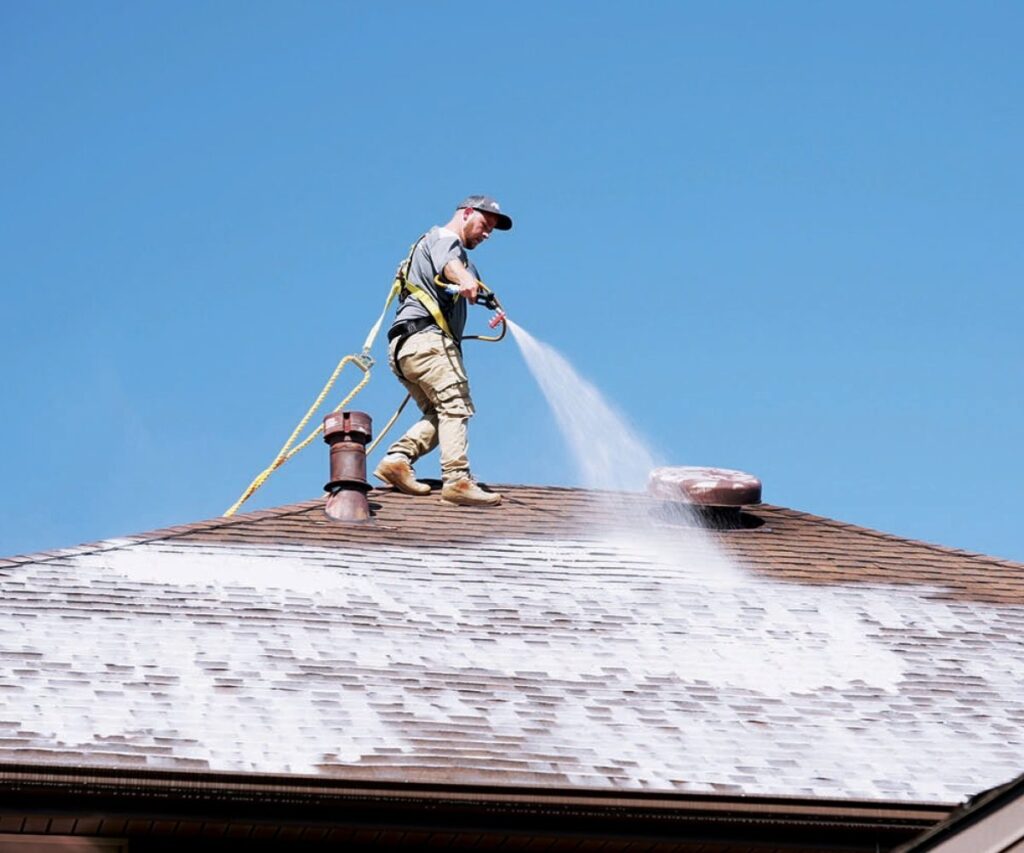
[(705, 486), (356, 424)]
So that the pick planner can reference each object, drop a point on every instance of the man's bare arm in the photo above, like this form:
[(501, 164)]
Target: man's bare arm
[(455, 271)]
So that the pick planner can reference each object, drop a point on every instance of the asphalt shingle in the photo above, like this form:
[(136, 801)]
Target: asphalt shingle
[(564, 638)]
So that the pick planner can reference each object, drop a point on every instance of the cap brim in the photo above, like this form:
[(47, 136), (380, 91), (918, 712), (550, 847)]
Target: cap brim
[(503, 223)]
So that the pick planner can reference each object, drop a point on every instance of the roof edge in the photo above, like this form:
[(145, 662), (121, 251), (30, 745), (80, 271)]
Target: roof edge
[(969, 814), (41, 785)]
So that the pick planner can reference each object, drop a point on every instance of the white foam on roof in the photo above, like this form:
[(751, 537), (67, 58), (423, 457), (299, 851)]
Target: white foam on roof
[(600, 655)]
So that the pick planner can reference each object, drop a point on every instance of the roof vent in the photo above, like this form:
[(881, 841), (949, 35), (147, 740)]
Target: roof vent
[(715, 494), (348, 433), (705, 486)]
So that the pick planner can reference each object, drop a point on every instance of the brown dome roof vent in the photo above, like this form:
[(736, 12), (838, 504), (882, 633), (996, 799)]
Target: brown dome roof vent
[(715, 495)]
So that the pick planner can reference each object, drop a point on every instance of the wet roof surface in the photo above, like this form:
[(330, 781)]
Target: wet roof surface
[(565, 638)]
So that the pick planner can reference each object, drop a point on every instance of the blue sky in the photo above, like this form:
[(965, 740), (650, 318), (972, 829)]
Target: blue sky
[(784, 237)]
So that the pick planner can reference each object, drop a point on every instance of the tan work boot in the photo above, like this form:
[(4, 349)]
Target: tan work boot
[(465, 492), (396, 471)]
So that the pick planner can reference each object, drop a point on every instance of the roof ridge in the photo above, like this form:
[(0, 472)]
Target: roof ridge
[(296, 508), (115, 542)]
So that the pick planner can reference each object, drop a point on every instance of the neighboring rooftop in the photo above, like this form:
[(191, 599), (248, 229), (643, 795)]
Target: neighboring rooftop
[(564, 639)]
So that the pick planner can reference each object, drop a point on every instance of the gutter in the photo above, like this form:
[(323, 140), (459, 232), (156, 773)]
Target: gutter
[(169, 803)]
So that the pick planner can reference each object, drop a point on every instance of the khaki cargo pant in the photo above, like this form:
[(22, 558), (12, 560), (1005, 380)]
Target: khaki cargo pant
[(433, 373)]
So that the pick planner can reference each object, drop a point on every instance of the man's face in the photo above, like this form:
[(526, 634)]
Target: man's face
[(477, 228)]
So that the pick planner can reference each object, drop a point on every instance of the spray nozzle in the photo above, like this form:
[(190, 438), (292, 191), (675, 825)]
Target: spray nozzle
[(489, 299)]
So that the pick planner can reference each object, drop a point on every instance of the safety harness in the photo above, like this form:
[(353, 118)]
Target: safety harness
[(405, 329), (407, 288)]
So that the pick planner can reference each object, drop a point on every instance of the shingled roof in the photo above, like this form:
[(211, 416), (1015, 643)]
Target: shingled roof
[(566, 639)]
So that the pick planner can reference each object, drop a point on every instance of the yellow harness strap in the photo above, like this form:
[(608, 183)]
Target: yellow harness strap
[(428, 302)]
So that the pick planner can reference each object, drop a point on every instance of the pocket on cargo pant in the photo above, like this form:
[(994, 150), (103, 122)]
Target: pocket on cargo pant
[(454, 401)]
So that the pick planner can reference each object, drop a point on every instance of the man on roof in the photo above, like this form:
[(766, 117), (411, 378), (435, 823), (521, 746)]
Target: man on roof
[(425, 352)]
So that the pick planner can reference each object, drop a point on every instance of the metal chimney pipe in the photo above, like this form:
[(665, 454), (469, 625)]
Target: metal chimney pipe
[(348, 433)]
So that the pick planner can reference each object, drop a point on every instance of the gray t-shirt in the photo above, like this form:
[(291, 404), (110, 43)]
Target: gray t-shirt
[(432, 252)]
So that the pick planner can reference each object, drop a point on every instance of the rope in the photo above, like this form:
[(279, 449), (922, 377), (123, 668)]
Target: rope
[(396, 287), (388, 425), (364, 362), (287, 451)]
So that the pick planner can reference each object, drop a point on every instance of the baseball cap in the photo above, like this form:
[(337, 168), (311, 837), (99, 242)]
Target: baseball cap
[(486, 204)]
